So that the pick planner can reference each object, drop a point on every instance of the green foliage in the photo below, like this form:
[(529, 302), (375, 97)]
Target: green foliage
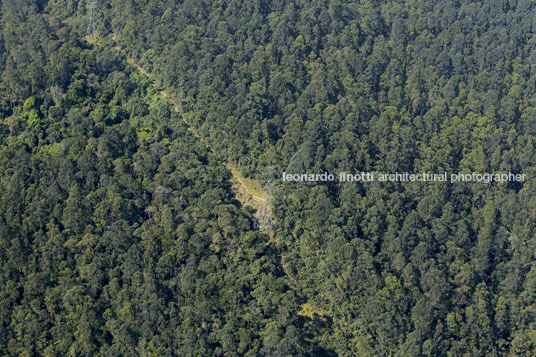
[(119, 233)]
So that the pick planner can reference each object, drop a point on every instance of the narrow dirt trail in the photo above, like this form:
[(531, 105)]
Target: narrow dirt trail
[(246, 190)]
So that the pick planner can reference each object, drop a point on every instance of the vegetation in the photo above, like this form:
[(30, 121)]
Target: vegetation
[(120, 234)]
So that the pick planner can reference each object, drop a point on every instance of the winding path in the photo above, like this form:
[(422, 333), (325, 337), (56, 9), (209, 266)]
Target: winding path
[(258, 195)]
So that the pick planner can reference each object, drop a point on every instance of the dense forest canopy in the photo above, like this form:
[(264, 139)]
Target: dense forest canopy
[(119, 231)]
